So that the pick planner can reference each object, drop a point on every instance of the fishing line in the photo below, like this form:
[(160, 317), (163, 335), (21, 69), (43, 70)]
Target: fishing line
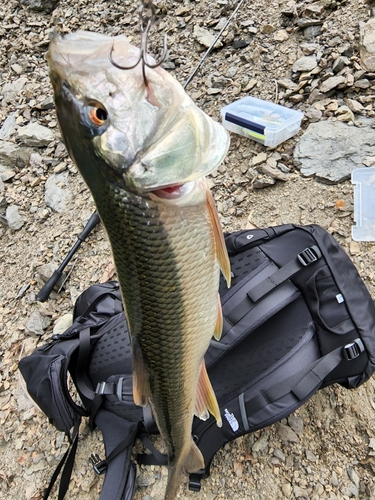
[(199, 65)]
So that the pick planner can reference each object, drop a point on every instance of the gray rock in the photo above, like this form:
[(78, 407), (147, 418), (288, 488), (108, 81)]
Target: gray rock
[(313, 114), (296, 423), (367, 45), (310, 456), (261, 444), (205, 38), (56, 196), (286, 433), (263, 182), (340, 63), (305, 64), (13, 217), (9, 126), (34, 134), (12, 90), (279, 454), (6, 173), (12, 155), (331, 83), (353, 476), (311, 32), (39, 5), (306, 22), (332, 150), (37, 323)]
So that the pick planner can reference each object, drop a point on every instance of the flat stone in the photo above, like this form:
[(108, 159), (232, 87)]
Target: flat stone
[(258, 159), (313, 114), (36, 323), (56, 196), (14, 218), (331, 83), (340, 63), (281, 36), (267, 29), (34, 134), (311, 32), (367, 45), (286, 433), (306, 22), (296, 423), (332, 150), (40, 5), (205, 38), (6, 173), (63, 323), (305, 64), (13, 89), (261, 444), (9, 126)]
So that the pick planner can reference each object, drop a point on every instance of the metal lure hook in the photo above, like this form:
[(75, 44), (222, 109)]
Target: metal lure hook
[(146, 23)]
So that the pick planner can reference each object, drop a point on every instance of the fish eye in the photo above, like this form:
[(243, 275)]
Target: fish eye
[(97, 114)]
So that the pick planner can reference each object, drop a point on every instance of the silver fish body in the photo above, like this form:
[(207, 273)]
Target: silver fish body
[(144, 152)]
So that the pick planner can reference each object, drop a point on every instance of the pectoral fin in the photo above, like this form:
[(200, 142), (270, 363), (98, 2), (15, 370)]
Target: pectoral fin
[(141, 388), (221, 249), (219, 321), (206, 399)]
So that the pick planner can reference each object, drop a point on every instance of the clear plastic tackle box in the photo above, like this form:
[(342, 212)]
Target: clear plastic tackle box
[(263, 121), (364, 204)]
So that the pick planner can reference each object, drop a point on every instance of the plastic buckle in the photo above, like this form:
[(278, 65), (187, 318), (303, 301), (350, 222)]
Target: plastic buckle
[(100, 388), (195, 482), (99, 466), (309, 255), (354, 349), (119, 388)]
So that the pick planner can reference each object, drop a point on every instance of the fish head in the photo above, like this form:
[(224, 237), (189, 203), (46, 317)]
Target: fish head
[(146, 135)]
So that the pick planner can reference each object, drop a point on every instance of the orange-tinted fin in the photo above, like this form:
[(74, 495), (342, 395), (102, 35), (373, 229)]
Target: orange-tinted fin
[(206, 399), (221, 249), (141, 388), (219, 321)]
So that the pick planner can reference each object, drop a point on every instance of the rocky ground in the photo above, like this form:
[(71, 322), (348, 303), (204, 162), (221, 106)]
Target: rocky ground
[(315, 56)]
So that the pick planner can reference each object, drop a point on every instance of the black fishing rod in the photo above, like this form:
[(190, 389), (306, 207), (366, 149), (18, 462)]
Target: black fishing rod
[(49, 285)]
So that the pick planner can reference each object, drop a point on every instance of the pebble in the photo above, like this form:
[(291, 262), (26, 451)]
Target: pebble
[(296, 423), (305, 64), (12, 155), (258, 159), (63, 323), (9, 126), (14, 218), (56, 196), (281, 36), (36, 135), (313, 114), (354, 248), (286, 433), (205, 38), (261, 444), (12, 90), (331, 83), (37, 323)]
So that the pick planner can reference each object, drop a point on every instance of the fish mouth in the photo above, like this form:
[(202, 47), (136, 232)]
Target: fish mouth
[(174, 191)]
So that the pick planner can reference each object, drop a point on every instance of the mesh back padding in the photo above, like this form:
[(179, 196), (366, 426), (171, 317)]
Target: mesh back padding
[(111, 355), (262, 349), (241, 265)]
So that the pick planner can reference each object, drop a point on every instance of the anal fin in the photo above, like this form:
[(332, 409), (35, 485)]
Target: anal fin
[(219, 321), (206, 399), (221, 249), (141, 388)]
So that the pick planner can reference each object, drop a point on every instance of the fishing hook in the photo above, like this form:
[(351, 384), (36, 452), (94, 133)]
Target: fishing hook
[(146, 23)]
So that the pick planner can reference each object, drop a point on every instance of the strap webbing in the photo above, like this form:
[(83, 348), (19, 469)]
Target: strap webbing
[(67, 462), (301, 385), (303, 259), (82, 363)]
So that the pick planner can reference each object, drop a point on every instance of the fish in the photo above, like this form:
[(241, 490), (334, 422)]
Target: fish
[(144, 150)]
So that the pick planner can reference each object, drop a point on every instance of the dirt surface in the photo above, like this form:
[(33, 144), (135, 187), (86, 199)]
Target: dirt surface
[(326, 449)]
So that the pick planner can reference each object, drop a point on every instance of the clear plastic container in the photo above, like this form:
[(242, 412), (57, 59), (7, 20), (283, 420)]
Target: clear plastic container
[(364, 204), (263, 121)]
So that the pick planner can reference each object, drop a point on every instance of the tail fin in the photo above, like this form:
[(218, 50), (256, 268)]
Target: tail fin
[(192, 463)]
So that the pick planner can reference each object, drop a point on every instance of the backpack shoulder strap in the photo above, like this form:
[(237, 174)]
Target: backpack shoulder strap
[(120, 474)]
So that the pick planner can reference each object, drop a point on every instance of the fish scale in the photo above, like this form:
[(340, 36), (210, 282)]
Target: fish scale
[(144, 152)]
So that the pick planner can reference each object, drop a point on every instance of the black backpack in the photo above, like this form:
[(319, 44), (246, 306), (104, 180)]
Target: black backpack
[(297, 318)]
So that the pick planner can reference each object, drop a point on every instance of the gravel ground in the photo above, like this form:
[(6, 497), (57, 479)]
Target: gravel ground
[(326, 449)]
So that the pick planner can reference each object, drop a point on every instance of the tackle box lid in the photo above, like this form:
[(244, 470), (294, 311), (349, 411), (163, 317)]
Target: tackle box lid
[(364, 204)]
